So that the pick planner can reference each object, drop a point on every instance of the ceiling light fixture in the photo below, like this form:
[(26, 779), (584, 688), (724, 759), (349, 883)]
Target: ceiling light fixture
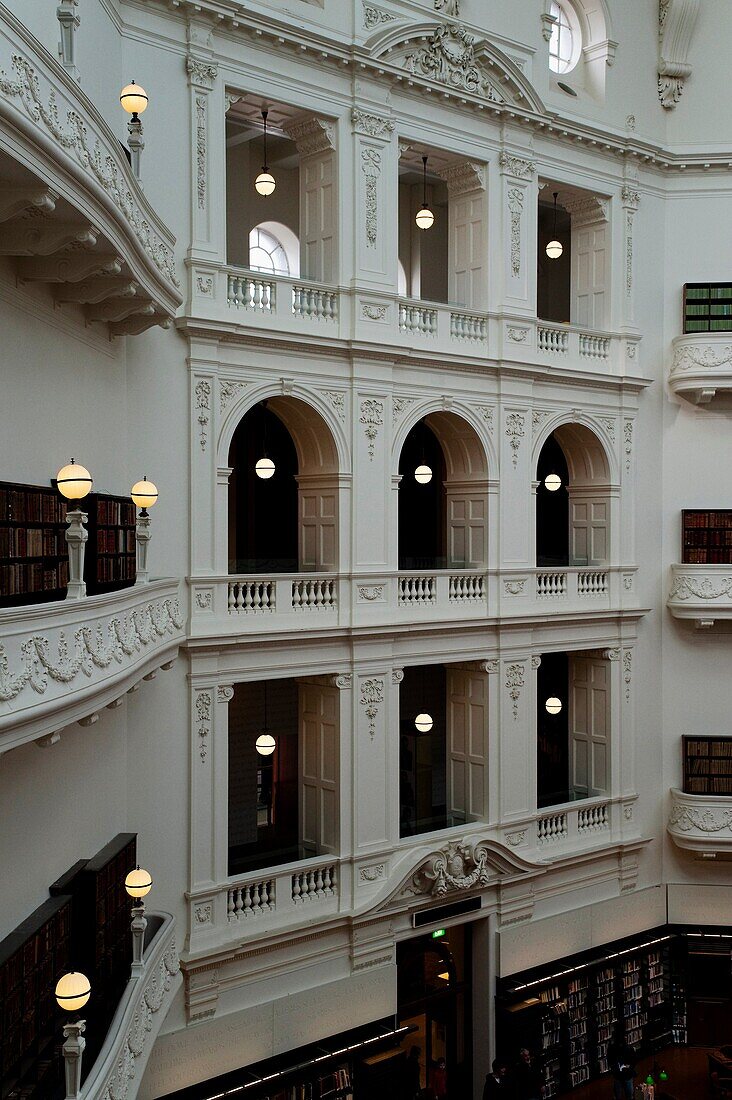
[(554, 249), (265, 182), (425, 218)]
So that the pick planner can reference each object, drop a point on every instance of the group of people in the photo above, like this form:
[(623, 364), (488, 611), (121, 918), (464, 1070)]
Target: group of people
[(522, 1081)]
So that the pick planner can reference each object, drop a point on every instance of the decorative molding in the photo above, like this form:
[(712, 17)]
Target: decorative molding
[(514, 683), (202, 74), (69, 21), (687, 587), (372, 873), (685, 818), (611, 654), (676, 23), (201, 104), (374, 17), (457, 867), (515, 423), (538, 416), (487, 411), (203, 711), (311, 134), (449, 58), (515, 208), (373, 312), (374, 126), (701, 356), (630, 122), (97, 161), (491, 666), (371, 593), (371, 168), (90, 649), (337, 401), (450, 8), (229, 390), (224, 693), (517, 335), (343, 681), (397, 675), (464, 176), (628, 582), (548, 23), (514, 588), (520, 168), (627, 672), (586, 209), (628, 436), (536, 661), (398, 406), (514, 839), (630, 197), (372, 417), (372, 695), (203, 409), (608, 423), (204, 599), (203, 914)]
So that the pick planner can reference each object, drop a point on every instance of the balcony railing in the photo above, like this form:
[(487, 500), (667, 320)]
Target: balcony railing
[(282, 304), (701, 823), (701, 368), (290, 601), (702, 593)]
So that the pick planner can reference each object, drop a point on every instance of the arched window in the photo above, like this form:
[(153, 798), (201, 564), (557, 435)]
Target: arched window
[(565, 44), (274, 250)]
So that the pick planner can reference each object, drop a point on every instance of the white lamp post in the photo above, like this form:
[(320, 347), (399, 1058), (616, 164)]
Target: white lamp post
[(144, 495), (138, 884), (74, 482), (72, 993), (134, 101)]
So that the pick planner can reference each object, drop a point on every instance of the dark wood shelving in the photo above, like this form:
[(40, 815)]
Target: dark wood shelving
[(33, 557), (707, 307), (707, 765), (706, 536)]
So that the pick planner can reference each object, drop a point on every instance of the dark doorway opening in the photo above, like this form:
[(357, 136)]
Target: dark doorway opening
[(422, 531), (552, 508), (552, 731)]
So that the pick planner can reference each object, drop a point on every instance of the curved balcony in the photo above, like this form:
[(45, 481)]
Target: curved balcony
[(702, 366), (701, 823), (702, 593), (63, 662), (73, 215)]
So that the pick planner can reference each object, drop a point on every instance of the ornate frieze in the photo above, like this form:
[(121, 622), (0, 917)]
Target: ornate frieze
[(514, 683), (515, 425), (515, 209), (375, 17), (701, 356), (203, 722), (449, 58), (586, 209), (228, 391), (201, 106), (457, 867), (202, 410), (201, 73), (686, 818), (374, 126), (371, 168), (372, 417), (448, 7), (519, 167), (686, 587), (372, 696), (628, 437), (399, 405), (337, 401)]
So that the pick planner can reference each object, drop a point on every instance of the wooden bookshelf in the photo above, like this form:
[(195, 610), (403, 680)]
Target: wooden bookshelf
[(706, 536), (707, 307), (707, 765), (110, 561), (34, 564)]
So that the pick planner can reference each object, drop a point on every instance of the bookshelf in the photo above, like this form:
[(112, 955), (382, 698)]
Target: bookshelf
[(707, 307), (706, 536), (707, 765), (110, 561), (34, 564)]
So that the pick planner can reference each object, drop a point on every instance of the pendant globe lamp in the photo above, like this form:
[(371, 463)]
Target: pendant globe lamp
[(552, 482), (423, 473), (555, 248), (423, 722), (425, 219), (264, 467), (553, 705), (265, 743), (265, 184)]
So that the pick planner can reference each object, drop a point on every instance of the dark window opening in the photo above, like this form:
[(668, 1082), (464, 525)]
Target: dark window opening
[(422, 530)]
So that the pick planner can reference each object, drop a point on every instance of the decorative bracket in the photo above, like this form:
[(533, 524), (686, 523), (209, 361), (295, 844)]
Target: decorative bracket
[(676, 23)]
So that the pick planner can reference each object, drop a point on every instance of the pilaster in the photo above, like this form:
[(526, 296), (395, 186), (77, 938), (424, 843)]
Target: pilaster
[(376, 200), (519, 212), (208, 150), (376, 748)]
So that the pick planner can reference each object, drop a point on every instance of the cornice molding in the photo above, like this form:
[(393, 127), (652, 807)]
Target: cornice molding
[(311, 134), (464, 176)]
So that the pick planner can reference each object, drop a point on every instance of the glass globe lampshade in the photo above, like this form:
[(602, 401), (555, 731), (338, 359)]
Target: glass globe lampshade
[(423, 474), (73, 481), (73, 991), (264, 468), (663, 1076), (144, 493), (264, 184), (138, 883), (425, 219), (552, 482), (423, 722), (553, 705), (265, 744), (649, 1079), (133, 98), (554, 250)]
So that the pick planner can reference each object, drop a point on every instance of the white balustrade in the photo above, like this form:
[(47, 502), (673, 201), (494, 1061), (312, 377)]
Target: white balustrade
[(555, 340), (315, 593), (253, 899), (551, 828), (466, 586), (593, 347), (468, 326), (593, 819), (417, 320), (248, 291), (314, 884), (251, 595), (551, 584), (592, 582), (417, 590), (314, 302)]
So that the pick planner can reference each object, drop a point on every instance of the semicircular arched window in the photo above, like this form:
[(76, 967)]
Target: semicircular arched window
[(267, 254), (565, 44)]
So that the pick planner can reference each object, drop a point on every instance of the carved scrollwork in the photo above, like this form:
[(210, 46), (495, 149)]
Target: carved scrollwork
[(687, 818), (457, 867), (701, 356), (449, 58), (687, 587)]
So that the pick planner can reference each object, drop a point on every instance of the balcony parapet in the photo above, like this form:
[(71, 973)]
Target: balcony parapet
[(97, 241), (63, 662), (702, 593), (286, 306), (701, 823), (255, 603), (701, 368)]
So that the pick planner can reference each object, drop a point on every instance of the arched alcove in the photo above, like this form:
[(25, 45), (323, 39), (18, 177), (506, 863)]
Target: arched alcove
[(287, 522), (573, 522), (443, 524)]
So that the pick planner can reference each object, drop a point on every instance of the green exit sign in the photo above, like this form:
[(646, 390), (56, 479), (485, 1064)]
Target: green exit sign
[(439, 933)]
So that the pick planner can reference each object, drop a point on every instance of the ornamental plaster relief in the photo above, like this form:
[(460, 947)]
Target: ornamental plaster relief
[(372, 418), (375, 17), (676, 24)]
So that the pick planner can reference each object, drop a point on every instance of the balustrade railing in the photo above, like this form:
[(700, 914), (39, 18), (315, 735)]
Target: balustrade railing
[(251, 900), (468, 326), (417, 320), (247, 291), (251, 595), (315, 593), (592, 582), (280, 892), (593, 819), (551, 828), (315, 884), (417, 590), (314, 302), (555, 340), (549, 584), (593, 347), (466, 586)]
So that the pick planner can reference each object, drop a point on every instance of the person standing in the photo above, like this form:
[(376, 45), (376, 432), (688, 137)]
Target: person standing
[(496, 1083), (412, 1075), (528, 1077), (621, 1059)]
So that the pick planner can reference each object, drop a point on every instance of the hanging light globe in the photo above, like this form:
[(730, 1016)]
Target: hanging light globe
[(554, 250), (265, 468), (144, 493), (134, 99), (138, 883), (425, 219), (552, 482), (73, 991), (423, 722), (265, 184), (265, 744), (74, 481), (553, 705), (423, 474)]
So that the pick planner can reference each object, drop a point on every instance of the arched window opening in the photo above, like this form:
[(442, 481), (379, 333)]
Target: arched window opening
[(565, 44), (572, 517), (422, 542), (274, 250), (552, 507)]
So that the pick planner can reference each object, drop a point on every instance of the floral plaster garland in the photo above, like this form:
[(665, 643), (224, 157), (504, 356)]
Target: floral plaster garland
[(91, 650)]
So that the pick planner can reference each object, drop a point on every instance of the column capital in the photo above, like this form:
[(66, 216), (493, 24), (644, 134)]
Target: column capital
[(374, 126), (202, 72), (463, 176), (311, 134), (521, 168)]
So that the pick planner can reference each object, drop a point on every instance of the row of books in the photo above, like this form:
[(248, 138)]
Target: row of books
[(707, 519), (115, 512), (115, 540), (27, 506), (704, 765), (721, 325), (19, 577), (116, 569), (32, 542), (707, 536), (709, 291), (708, 557), (708, 785), (707, 747)]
